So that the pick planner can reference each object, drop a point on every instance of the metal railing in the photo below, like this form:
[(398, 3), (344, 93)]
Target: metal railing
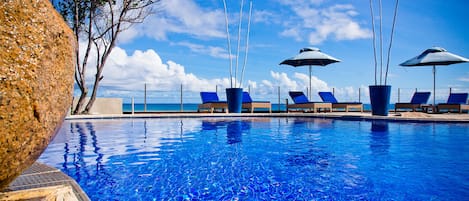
[(276, 95)]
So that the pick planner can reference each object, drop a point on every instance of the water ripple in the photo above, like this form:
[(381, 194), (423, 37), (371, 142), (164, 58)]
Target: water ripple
[(263, 159)]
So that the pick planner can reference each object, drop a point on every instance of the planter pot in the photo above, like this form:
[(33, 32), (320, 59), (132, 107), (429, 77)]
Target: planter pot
[(379, 97), (234, 97)]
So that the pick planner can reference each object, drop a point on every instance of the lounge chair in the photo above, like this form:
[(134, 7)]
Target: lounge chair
[(456, 101), (418, 101), (328, 97), (250, 105), (301, 102), (211, 102)]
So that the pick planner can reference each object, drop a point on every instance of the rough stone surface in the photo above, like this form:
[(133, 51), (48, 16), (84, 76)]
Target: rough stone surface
[(36, 80)]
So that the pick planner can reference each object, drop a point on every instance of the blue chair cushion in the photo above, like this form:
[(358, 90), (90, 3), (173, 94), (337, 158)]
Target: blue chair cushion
[(246, 98), (209, 97), (298, 97), (420, 98), (328, 97), (457, 98)]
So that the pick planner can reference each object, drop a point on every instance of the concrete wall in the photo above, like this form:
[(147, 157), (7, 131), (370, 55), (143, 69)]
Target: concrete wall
[(103, 105)]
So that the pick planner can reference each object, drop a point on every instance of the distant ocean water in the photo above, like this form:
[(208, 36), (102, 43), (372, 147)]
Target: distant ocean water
[(170, 107), (192, 107)]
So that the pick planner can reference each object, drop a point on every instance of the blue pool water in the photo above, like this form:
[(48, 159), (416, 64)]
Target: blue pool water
[(263, 159)]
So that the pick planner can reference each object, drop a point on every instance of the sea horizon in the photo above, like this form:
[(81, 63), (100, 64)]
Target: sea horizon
[(192, 107)]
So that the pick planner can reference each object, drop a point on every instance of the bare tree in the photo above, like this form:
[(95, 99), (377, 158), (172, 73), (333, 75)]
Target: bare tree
[(99, 23)]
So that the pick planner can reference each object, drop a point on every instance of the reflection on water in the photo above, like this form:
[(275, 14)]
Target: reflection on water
[(311, 124), (307, 133), (75, 161), (379, 126), (233, 132), (379, 137), (234, 128), (262, 159)]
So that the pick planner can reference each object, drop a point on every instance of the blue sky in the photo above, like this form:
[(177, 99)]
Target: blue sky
[(184, 43)]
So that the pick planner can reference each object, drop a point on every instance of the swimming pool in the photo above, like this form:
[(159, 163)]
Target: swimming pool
[(263, 159)]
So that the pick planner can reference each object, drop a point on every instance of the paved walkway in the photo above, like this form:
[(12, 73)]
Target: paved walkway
[(400, 116), (41, 182)]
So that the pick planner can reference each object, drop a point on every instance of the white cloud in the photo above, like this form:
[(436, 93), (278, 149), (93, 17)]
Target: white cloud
[(301, 2), (125, 72), (293, 32), (183, 17), (216, 52), (465, 78), (299, 82), (308, 20), (265, 16), (316, 84), (346, 94), (319, 24), (125, 75), (128, 35), (284, 81)]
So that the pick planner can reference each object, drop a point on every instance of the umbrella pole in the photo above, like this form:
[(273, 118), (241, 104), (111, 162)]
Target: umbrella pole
[(434, 83), (310, 96)]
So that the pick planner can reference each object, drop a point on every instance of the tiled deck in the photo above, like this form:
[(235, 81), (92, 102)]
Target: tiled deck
[(40, 180), (399, 116)]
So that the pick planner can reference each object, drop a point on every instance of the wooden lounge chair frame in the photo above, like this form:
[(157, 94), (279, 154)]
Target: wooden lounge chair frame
[(458, 107), (348, 106), (302, 103), (456, 101), (418, 102), (311, 106), (329, 97), (211, 102), (250, 105)]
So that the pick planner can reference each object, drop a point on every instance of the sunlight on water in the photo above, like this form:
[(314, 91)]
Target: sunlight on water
[(263, 159)]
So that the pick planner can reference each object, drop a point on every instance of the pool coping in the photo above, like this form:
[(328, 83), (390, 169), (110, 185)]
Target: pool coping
[(41, 181), (402, 116)]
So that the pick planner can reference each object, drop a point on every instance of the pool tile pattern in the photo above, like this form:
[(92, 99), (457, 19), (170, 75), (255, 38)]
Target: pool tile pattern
[(39, 176)]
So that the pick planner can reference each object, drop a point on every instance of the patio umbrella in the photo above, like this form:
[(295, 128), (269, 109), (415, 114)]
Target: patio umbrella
[(433, 57), (310, 56)]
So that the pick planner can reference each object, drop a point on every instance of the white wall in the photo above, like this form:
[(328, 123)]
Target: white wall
[(103, 105)]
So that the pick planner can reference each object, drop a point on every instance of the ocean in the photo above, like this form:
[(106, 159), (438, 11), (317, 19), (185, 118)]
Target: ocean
[(192, 107)]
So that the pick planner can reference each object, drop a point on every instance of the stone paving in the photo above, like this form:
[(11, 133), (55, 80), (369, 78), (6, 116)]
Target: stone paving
[(399, 116), (41, 182)]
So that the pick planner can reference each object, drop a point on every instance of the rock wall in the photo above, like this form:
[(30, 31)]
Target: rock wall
[(36, 80)]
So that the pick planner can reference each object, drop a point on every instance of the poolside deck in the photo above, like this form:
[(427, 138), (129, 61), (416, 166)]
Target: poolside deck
[(399, 116), (41, 182)]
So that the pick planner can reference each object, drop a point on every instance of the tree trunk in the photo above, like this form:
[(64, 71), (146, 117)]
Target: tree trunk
[(79, 104), (90, 103), (99, 77)]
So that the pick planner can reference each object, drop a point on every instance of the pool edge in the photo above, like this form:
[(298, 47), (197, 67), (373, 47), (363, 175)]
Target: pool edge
[(443, 118), (43, 181)]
